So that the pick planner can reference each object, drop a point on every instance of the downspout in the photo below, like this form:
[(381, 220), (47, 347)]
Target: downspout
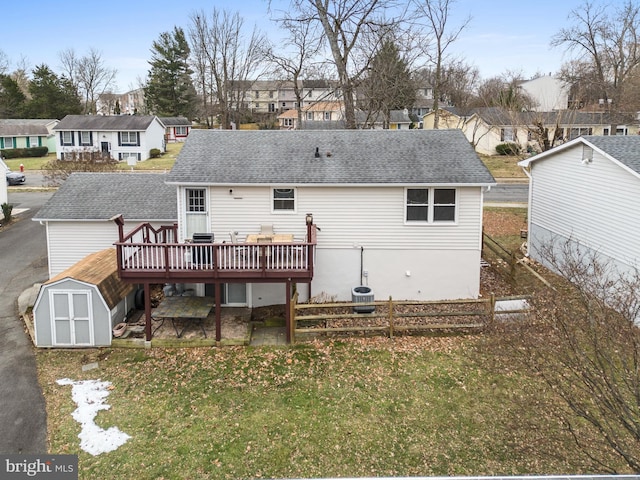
[(361, 265), (527, 172)]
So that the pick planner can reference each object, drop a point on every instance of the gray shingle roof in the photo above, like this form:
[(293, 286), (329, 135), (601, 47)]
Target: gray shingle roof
[(624, 148), (346, 157), (100, 196), (22, 129), (105, 122), (174, 121)]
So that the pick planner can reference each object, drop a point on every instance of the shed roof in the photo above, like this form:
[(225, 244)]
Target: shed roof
[(105, 122), (99, 269), (100, 196), (358, 157)]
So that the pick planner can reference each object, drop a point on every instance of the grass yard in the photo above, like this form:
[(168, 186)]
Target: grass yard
[(503, 166), (362, 407)]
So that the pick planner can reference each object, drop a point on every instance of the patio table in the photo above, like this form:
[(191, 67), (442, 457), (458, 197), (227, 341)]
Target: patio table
[(189, 309)]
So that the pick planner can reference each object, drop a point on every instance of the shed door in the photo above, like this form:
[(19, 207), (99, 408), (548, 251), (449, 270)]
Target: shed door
[(71, 317)]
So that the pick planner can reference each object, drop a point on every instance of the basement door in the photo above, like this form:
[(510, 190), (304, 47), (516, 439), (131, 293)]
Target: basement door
[(71, 319)]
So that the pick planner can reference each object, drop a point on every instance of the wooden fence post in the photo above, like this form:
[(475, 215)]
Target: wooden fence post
[(492, 306), (390, 317), (292, 317)]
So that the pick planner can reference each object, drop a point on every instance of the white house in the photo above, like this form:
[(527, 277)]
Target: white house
[(587, 192), (398, 210), (548, 93), (127, 138), (76, 217)]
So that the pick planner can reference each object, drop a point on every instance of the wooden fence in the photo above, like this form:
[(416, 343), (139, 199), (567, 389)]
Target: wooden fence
[(391, 317)]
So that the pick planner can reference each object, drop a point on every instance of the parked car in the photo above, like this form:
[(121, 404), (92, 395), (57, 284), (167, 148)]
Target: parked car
[(15, 178)]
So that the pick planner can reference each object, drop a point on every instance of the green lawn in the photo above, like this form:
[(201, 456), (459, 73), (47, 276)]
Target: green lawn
[(360, 407), (502, 166)]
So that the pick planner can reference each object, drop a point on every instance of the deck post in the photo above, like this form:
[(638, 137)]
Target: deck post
[(287, 309), (216, 290), (147, 311)]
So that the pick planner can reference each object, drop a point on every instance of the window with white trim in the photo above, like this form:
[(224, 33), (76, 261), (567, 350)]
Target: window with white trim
[(66, 138), (34, 142), (327, 116), (430, 205), (7, 142), (128, 138), (85, 138), (196, 200), (287, 122), (309, 115), (284, 199), (181, 130)]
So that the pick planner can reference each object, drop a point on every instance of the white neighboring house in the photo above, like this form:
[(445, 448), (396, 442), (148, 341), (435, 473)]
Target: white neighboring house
[(127, 138), (587, 192), (400, 211), (548, 92), (76, 217)]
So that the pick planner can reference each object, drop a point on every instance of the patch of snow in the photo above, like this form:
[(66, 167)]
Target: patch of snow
[(90, 395)]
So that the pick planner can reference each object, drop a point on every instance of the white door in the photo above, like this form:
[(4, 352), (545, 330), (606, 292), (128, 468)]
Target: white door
[(71, 317)]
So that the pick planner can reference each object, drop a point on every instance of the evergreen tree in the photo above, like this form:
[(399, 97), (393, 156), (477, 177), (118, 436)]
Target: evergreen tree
[(170, 91), (52, 96), (12, 100), (388, 85)]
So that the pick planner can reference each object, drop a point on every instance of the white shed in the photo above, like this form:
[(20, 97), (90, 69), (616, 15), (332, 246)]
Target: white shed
[(80, 306)]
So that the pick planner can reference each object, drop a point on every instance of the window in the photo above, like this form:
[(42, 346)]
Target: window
[(270, 93), (284, 199), (34, 141), (577, 132), (327, 116), (257, 94), (309, 115), (7, 142), (431, 205), (129, 157), (181, 131), (66, 139), (128, 138), (196, 200), (85, 138), (287, 122), (272, 107), (507, 135)]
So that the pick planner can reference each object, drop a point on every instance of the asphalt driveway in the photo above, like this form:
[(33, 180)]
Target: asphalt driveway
[(23, 260)]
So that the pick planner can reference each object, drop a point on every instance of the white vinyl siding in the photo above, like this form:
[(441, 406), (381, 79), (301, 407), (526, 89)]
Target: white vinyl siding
[(588, 203), (70, 242), (348, 216)]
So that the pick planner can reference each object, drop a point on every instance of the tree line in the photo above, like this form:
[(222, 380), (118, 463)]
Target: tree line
[(377, 52)]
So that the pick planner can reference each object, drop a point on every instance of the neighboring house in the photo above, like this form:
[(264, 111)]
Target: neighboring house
[(488, 127), (127, 138), (400, 212), (176, 128), (398, 120), (80, 306), (76, 217), (130, 103), (324, 114), (26, 133), (587, 192), (548, 93)]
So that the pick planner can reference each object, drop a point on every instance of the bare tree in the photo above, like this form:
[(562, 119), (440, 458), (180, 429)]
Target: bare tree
[(4, 63), (436, 15), (609, 42), (303, 44), (89, 74), (225, 63), (352, 29), (582, 340)]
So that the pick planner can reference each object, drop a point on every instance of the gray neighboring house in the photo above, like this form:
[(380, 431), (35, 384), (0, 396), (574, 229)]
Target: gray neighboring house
[(126, 138), (176, 128), (77, 216), (587, 192), (27, 132)]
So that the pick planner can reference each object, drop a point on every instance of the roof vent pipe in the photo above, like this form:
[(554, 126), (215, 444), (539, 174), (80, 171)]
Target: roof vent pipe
[(317, 155)]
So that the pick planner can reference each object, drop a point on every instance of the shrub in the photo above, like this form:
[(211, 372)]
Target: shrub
[(507, 149), (25, 152), (155, 152), (6, 211)]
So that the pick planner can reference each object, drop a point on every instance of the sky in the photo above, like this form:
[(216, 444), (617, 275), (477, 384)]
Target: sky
[(502, 35)]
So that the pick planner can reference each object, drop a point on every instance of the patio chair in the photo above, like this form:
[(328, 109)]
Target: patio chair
[(266, 229)]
